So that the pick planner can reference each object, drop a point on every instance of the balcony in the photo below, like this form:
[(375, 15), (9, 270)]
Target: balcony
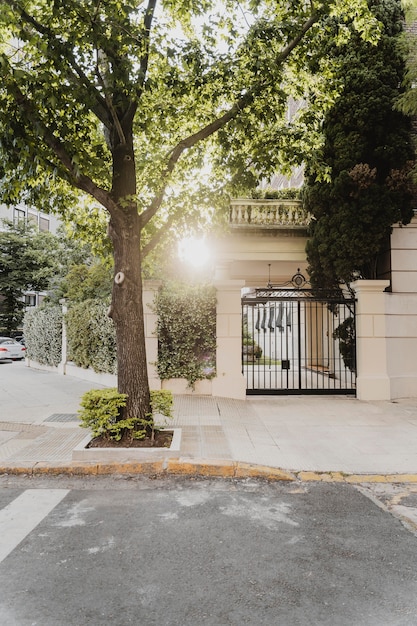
[(270, 214)]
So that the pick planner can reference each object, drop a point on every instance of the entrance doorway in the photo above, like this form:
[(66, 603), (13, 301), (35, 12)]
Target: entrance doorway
[(296, 342)]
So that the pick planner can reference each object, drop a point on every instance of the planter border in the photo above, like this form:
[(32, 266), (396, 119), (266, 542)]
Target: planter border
[(82, 453)]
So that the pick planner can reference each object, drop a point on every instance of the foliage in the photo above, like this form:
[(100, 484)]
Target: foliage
[(88, 224), (79, 273), (277, 194), (368, 153), (407, 102), (87, 282), (102, 412), (27, 262), (91, 336), (128, 107), (42, 328), (162, 402), (345, 332), (186, 330), (250, 348)]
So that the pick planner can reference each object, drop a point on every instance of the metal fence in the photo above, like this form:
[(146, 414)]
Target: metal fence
[(295, 342)]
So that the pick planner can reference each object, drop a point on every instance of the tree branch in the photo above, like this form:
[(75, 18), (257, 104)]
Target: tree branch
[(153, 242), (79, 180), (147, 24), (235, 110), (109, 103), (100, 107)]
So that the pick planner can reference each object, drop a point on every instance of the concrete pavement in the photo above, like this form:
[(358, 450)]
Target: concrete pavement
[(282, 437)]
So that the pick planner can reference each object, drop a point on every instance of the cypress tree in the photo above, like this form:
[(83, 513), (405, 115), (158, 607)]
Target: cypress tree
[(368, 150)]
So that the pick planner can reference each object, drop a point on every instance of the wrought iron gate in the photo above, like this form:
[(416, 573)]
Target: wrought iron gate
[(295, 342)]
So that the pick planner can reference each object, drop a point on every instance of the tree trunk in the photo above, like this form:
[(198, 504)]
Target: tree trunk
[(127, 314), (127, 305)]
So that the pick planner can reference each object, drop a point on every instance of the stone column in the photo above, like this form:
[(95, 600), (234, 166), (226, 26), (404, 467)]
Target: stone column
[(229, 381), (373, 382), (150, 287)]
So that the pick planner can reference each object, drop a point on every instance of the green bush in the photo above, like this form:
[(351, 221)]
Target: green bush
[(292, 193), (91, 336), (345, 332), (102, 412), (162, 403), (186, 331), (42, 328)]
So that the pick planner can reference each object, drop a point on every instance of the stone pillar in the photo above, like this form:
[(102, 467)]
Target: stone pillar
[(229, 381), (373, 382), (150, 287)]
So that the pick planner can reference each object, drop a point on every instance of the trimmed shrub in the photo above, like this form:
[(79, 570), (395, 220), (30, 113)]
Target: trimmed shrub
[(102, 412), (91, 336), (42, 328)]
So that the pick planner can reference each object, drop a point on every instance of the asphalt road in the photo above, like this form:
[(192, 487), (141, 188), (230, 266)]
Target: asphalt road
[(181, 552)]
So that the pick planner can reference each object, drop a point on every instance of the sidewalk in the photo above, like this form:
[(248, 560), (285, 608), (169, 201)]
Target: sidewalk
[(288, 437)]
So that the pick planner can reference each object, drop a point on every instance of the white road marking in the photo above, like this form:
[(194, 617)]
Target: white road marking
[(21, 516)]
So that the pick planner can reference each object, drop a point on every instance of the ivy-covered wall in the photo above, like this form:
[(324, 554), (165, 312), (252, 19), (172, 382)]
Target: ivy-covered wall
[(186, 330)]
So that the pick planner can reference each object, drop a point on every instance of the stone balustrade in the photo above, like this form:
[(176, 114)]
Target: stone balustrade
[(268, 213)]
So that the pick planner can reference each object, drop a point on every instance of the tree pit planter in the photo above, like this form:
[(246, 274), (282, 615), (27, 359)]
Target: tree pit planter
[(111, 454)]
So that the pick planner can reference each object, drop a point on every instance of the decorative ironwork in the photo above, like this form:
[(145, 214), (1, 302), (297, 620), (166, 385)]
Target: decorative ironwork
[(298, 280), (298, 345), (296, 340)]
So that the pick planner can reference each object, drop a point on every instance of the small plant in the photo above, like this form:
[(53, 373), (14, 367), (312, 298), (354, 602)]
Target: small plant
[(102, 412), (346, 335), (292, 193)]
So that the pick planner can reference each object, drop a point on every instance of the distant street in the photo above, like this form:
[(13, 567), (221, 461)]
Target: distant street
[(181, 552)]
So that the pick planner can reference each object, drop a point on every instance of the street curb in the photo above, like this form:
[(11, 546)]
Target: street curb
[(198, 467)]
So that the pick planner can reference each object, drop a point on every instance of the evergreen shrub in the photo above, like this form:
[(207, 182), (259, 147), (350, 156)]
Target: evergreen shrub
[(102, 412), (42, 329), (91, 336)]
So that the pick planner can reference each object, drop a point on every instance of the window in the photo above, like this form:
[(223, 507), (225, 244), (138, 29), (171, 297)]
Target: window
[(33, 219), (19, 216), (30, 299), (43, 223)]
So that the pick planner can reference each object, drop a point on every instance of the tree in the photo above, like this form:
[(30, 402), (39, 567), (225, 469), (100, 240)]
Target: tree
[(127, 102), (407, 102), (27, 262), (368, 151)]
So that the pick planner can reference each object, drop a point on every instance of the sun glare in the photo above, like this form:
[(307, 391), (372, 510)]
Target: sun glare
[(194, 251)]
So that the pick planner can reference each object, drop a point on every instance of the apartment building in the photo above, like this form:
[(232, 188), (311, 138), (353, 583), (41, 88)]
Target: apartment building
[(43, 221)]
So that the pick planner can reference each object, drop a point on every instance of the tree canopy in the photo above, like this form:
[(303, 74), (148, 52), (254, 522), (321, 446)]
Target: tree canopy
[(369, 155), (131, 103), (28, 259)]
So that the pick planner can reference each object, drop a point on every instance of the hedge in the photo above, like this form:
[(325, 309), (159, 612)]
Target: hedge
[(91, 336), (42, 329), (186, 330)]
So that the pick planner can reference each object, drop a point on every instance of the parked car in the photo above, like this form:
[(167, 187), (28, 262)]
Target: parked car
[(16, 351), (5, 355)]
